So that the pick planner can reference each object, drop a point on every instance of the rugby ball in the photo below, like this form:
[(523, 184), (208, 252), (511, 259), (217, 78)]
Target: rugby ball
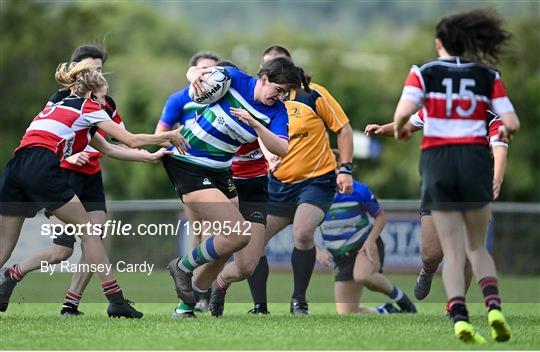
[(219, 81)]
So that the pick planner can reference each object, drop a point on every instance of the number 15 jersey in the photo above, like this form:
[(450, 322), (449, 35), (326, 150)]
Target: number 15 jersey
[(455, 94)]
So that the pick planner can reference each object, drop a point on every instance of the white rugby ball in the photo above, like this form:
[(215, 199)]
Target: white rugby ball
[(219, 81)]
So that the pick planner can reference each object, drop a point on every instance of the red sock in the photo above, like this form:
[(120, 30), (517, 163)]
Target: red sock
[(72, 300), (112, 291), (15, 273), (221, 283)]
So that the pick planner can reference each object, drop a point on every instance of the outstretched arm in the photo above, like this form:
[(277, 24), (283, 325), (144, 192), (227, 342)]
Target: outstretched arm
[(127, 154)]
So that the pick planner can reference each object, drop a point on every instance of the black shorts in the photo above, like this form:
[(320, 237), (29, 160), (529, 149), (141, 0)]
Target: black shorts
[(187, 177), (284, 198), (89, 189), (344, 263), (456, 177), (252, 197), (425, 199), (33, 180)]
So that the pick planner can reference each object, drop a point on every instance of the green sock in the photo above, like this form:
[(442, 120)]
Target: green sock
[(185, 307)]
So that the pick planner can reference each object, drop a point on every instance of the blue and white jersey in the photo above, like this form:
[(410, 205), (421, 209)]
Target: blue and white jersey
[(216, 135), (350, 219), (179, 109)]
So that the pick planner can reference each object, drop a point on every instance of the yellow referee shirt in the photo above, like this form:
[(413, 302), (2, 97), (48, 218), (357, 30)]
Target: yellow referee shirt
[(310, 115)]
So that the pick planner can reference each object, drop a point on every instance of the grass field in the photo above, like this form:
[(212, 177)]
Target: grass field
[(38, 326)]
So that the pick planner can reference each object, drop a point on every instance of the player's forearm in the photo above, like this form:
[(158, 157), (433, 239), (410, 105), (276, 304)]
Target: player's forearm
[(345, 144), (160, 128), (499, 162), (275, 144), (404, 110), (387, 130), (128, 154)]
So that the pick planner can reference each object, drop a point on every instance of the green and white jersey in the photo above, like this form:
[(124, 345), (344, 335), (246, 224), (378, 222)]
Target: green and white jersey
[(216, 135)]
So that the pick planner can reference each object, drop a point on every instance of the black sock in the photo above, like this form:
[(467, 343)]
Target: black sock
[(457, 309), (257, 282), (303, 262)]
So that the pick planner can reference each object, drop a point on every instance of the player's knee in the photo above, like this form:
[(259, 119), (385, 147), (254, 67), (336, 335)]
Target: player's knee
[(245, 270), (59, 253), (362, 278), (303, 240)]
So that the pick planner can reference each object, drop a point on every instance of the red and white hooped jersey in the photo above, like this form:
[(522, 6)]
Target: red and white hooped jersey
[(455, 95), (494, 122), (92, 166), (249, 161), (65, 127)]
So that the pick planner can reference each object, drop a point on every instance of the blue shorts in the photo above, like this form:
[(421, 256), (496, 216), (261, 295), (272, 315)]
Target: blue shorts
[(284, 198)]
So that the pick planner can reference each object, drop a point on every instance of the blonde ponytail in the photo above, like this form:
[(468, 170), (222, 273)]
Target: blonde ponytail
[(81, 77)]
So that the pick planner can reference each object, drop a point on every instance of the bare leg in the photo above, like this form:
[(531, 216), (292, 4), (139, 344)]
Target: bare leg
[(10, 229), (73, 213), (366, 273), (451, 230), (80, 280), (347, 295), (476, 222), (432, 254), (246, 260)]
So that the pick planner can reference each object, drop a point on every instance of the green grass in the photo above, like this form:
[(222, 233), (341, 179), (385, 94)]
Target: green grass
[(38, 326)]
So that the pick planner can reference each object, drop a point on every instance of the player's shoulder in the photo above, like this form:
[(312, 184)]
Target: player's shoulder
[(110, 102), (362, 189), (59, 96), (89, 106)]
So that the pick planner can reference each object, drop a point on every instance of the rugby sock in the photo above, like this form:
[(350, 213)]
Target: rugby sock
[(112, 291), (396, 294), (72, 300), (183, 308), (457, 310), (490, 290), (257, 283), (303, 262), (15, 273), (221, 283), (203, 253)]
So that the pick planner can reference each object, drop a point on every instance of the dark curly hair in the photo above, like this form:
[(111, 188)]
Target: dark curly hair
[(476, 34)]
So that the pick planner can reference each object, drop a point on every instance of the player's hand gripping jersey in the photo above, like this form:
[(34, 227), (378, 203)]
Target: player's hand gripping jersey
[(216, 135), (455, 94)]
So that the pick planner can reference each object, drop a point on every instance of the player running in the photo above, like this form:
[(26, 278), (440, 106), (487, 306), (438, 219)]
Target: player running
[(33, 178), (302, 184), (455, 91), (251, 109), (431, 252), (179, 109), (83, 172)]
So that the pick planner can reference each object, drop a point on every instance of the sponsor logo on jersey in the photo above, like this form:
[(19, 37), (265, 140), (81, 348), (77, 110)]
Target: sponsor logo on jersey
[(231, 130), (299, 135), (295, 112)]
